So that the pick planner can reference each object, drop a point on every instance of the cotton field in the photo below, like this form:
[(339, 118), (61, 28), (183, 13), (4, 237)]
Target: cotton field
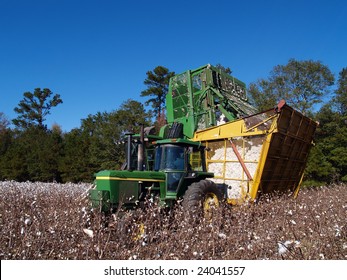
[(54, 221)]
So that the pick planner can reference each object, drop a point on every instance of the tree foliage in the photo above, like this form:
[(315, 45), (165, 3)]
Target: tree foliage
[(341, 93), (6, 137), (328, 159), (262, 95), (33, 152), (32, 155), (302, 84), (98, 139), (157, 83), (34, 107), (3, 122), (74, 165)]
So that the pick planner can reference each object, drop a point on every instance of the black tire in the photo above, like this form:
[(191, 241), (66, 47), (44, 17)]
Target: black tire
[(198, 196)]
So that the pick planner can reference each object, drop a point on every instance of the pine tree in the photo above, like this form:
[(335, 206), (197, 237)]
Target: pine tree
[(157, 83), (34, 108)]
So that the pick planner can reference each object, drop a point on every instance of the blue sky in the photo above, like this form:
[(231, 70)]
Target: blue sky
[(95, 54)]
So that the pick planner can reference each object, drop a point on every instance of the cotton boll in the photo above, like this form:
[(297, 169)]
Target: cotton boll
[(88, 232), (28, 221)]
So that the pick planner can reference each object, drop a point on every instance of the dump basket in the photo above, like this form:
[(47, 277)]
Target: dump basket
[(263, 153)]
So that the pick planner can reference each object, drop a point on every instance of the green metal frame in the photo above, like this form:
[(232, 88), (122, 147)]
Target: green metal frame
[(197, 97)]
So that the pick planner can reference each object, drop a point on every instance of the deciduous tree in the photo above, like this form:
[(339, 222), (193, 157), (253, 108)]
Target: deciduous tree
[(302, 84)]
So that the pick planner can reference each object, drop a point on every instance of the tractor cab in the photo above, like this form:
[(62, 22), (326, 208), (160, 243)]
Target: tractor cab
[(183, 163)]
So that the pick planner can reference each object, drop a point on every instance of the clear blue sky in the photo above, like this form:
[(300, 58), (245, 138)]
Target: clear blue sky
[(95, 53)]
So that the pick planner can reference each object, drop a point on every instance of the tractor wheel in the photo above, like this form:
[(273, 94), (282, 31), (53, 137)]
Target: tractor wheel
[(201, 198)]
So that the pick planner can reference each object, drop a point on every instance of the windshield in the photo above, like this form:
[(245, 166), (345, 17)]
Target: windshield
[(169, 157)]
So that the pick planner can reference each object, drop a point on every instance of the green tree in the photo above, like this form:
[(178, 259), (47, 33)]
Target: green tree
[(262, 95), (13, 161), (33, 154), (338, 138), (5, 134), (131, 115), (157, 83), (34, 108), (319, 170), (6, 137), (74, 165), (3, 122), (328, 159), (341, 93), (98, 140), (301, 83), (44, 155)]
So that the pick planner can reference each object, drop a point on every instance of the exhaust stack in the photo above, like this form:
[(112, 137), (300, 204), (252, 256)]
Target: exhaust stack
[(128, 155), (140, 151)]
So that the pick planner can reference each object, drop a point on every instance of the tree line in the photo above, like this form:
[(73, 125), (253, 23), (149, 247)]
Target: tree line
[(304, 85), (30, 151)]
